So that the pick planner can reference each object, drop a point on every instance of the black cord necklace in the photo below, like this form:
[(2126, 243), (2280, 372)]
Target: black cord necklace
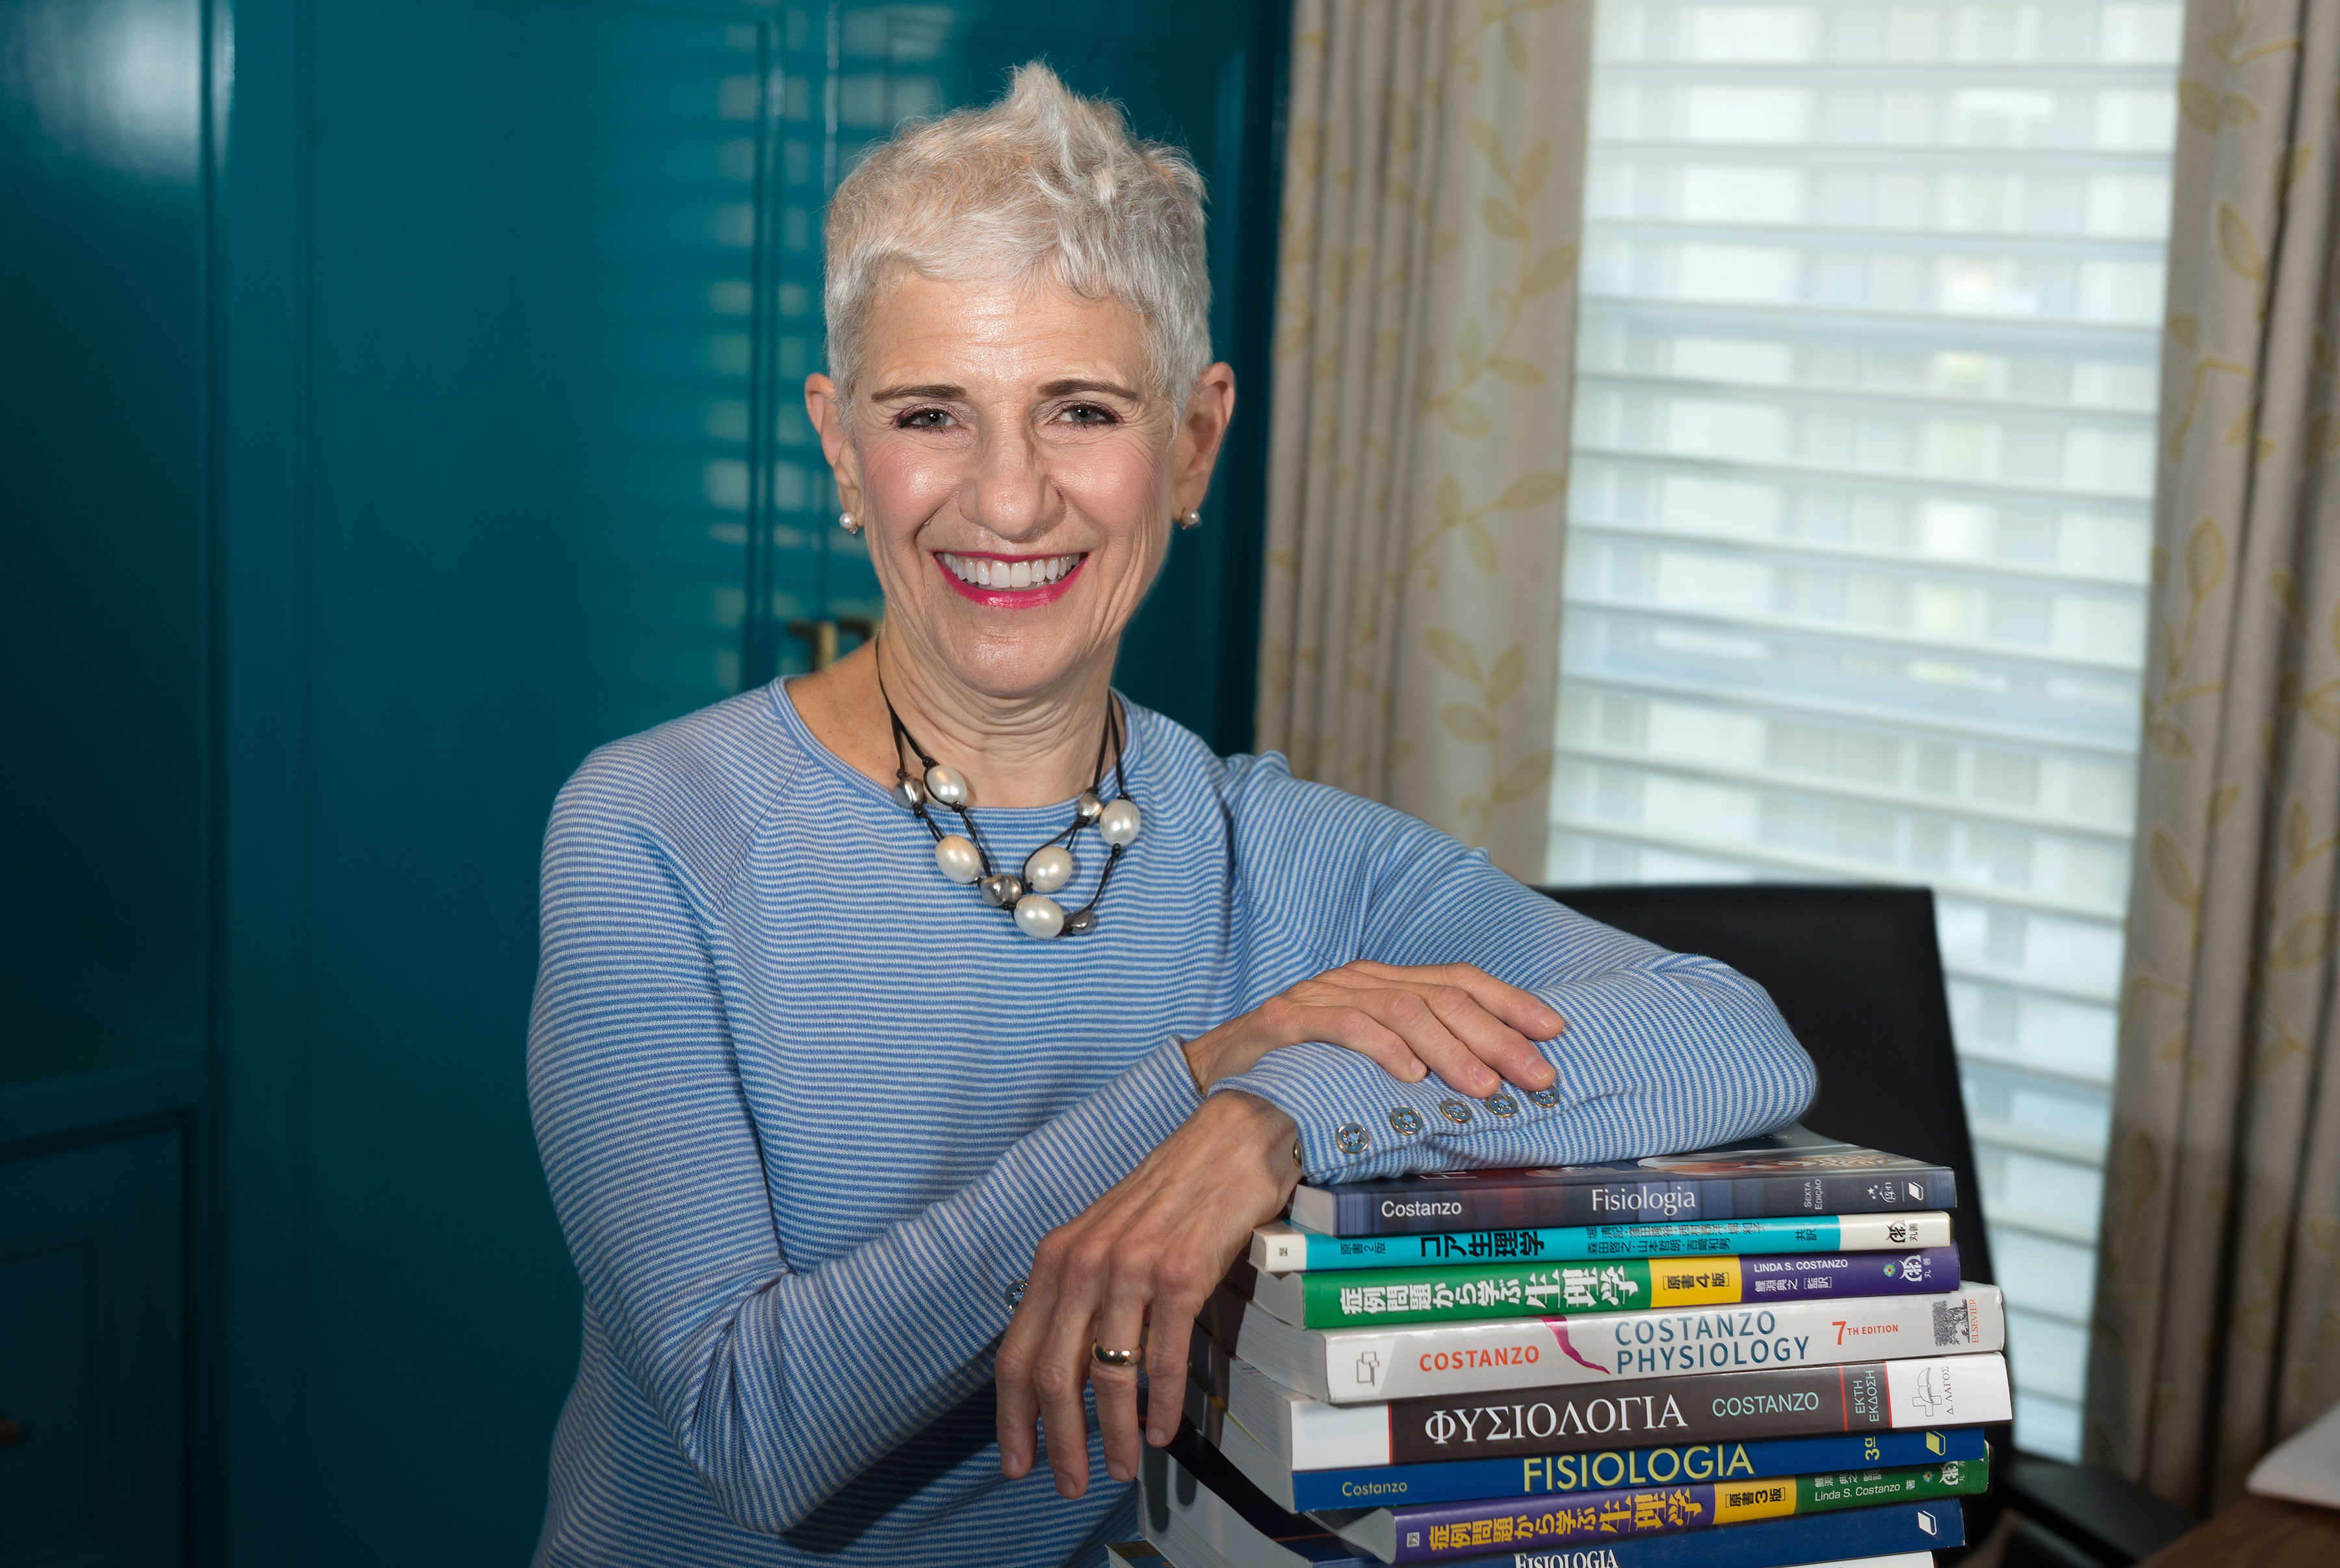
[(964, 858)]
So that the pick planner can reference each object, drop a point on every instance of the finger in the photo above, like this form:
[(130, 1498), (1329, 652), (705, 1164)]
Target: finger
[(1121, 1325), (1357, 1025), (1171, 1336), (1519, 1009), (1505, 1050), (1018, 1401), (1408, 1013), (1062, 1369)]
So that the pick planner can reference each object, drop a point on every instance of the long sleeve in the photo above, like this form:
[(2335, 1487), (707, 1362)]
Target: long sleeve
[(1661, 1051), (779, 1385)]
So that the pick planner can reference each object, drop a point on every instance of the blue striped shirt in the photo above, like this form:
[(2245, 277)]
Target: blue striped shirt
[(805, 1107)]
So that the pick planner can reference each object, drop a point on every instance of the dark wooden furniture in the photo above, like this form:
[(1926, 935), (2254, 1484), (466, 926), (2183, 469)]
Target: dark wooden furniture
[(2257, 1533)]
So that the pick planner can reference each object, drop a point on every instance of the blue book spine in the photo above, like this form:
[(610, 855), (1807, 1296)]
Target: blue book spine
[(1539, 1475)]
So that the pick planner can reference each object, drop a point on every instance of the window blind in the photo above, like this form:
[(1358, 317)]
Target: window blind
[(1860, 520)]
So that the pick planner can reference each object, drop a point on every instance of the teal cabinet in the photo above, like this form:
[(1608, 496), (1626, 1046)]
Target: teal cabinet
[(91, 1376)]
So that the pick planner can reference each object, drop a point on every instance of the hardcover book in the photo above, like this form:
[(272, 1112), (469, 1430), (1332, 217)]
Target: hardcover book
[(1442, 1533), (1867, 1398), (1537, 1475), (1281, 1248), (1787, 1173), (1456, 1293), (1198, 1511), (1372, 1366)]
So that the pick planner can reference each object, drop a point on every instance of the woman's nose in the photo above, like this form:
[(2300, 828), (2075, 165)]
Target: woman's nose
[(1009, 493)]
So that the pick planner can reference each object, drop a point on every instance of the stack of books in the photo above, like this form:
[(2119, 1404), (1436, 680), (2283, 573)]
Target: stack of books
[(1758, 1357)]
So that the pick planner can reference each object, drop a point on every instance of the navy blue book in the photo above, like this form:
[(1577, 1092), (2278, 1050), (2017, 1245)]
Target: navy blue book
[(1787, 1173)]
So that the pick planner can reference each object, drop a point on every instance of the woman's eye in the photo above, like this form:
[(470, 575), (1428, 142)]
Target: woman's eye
[(1089, 414), (923, 419)]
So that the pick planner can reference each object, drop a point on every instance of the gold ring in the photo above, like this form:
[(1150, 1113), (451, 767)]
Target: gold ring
[(1104, 1357)]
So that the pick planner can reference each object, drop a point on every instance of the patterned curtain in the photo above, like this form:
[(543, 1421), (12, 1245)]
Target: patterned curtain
[(1424, 356), (2218, 1323)]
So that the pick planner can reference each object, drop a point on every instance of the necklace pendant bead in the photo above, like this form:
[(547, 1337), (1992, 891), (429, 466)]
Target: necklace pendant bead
[(957, 858), (1117, 824), (1002, 888), (909, 792), (1088, 808), (946, 786), (1040, 916), (1050, 868), (1080, 920)]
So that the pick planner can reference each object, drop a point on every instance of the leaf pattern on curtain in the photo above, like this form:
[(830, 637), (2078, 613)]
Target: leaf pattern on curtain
[(1425, 357), (2218, 1320)]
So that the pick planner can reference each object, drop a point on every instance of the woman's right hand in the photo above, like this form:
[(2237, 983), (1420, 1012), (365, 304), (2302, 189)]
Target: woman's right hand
[(1455, 1020)]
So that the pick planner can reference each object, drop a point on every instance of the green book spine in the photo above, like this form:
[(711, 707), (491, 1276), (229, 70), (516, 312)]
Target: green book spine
[(1356, 1298)]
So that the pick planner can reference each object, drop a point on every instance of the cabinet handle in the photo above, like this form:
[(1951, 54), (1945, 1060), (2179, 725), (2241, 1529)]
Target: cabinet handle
[(12, 1432)]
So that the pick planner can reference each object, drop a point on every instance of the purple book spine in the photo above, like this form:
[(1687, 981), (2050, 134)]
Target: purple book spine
[(1771, 1276)]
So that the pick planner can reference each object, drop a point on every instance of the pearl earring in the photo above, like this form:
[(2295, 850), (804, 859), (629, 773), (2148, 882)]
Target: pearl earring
[(848, 522), (1190, 518)]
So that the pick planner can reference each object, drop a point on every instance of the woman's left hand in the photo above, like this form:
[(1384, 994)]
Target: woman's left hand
[(1146, 1255)]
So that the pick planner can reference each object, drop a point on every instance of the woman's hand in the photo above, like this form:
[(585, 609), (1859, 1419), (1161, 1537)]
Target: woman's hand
[(1136, 1268), (1133, 1270), (1455, 1020)]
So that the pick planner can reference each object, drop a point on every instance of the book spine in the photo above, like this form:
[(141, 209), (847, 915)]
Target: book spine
[(1539, 1475), (1364, 1211), (1455, 1531), (1360, 1366), (1835, 1536), (1351, 1300), (1830, 1232), (1793, 1402)]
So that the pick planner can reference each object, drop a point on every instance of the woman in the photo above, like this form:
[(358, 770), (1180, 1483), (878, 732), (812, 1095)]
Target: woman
[(824, 1071)]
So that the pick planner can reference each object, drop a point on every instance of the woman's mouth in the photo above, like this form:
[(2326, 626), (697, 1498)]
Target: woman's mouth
[(1010, 581)]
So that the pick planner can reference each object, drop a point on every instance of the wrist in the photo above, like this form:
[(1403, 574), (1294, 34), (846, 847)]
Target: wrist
[(1206, 1057), (1261, 1126)]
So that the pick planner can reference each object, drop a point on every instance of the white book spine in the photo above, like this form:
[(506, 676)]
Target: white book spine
[(1363, 1365), (1305, 1434)]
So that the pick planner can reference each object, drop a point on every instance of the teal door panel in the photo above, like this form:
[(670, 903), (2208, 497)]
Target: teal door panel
[(533, 241), (102, 481), (90, 1360)]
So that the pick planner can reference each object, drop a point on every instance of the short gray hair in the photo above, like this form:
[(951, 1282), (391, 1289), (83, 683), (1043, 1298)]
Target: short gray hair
[(1044, 186)]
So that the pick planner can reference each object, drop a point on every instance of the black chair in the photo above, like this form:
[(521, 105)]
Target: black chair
[(1857, 973)]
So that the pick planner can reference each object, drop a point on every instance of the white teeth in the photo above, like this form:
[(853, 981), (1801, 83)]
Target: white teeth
[(979, 571)]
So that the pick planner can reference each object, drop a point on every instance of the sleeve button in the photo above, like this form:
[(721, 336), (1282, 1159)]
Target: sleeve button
[(1350, 1139)]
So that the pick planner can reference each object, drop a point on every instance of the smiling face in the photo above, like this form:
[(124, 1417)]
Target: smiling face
[(1015, 473)]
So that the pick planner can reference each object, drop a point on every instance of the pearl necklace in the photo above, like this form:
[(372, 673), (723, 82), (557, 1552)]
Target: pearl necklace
[(963, 859)]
